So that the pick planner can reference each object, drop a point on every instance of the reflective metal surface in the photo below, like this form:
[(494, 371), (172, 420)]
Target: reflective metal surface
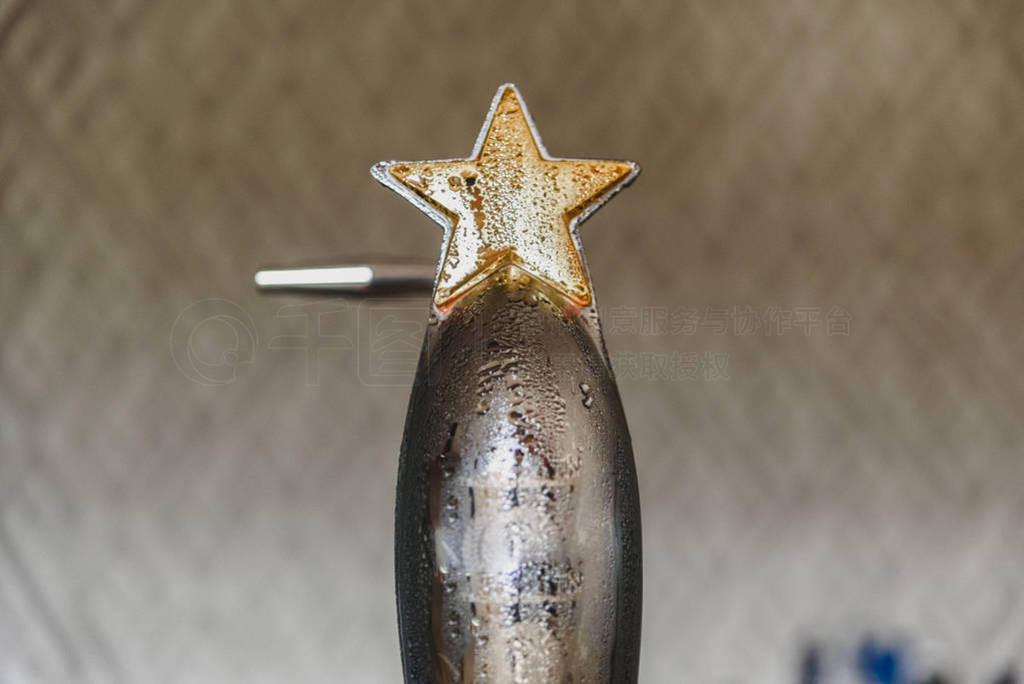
[(517, 523), (517, 526), (361, 279)]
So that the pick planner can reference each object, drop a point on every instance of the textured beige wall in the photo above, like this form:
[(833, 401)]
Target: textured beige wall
[(802, 157)]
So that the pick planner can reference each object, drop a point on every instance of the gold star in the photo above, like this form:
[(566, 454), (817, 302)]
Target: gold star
[(508, 204)]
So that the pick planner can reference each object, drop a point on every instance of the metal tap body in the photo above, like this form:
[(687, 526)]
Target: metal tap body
[(517, 527)]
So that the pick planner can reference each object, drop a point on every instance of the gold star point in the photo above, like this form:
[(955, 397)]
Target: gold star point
[(508, 204)]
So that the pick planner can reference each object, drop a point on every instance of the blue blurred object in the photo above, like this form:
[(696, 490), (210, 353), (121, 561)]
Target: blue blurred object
[(874, 661), (879, 664)]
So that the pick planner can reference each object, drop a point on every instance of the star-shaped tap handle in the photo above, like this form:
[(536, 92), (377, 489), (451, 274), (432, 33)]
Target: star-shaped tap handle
[(508, 204)]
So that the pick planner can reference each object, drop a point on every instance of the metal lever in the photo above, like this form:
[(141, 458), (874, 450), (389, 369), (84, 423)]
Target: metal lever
[(355, 279)]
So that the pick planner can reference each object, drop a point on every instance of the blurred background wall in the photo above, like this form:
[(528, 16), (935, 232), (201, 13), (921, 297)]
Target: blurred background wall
[(813, 295)]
